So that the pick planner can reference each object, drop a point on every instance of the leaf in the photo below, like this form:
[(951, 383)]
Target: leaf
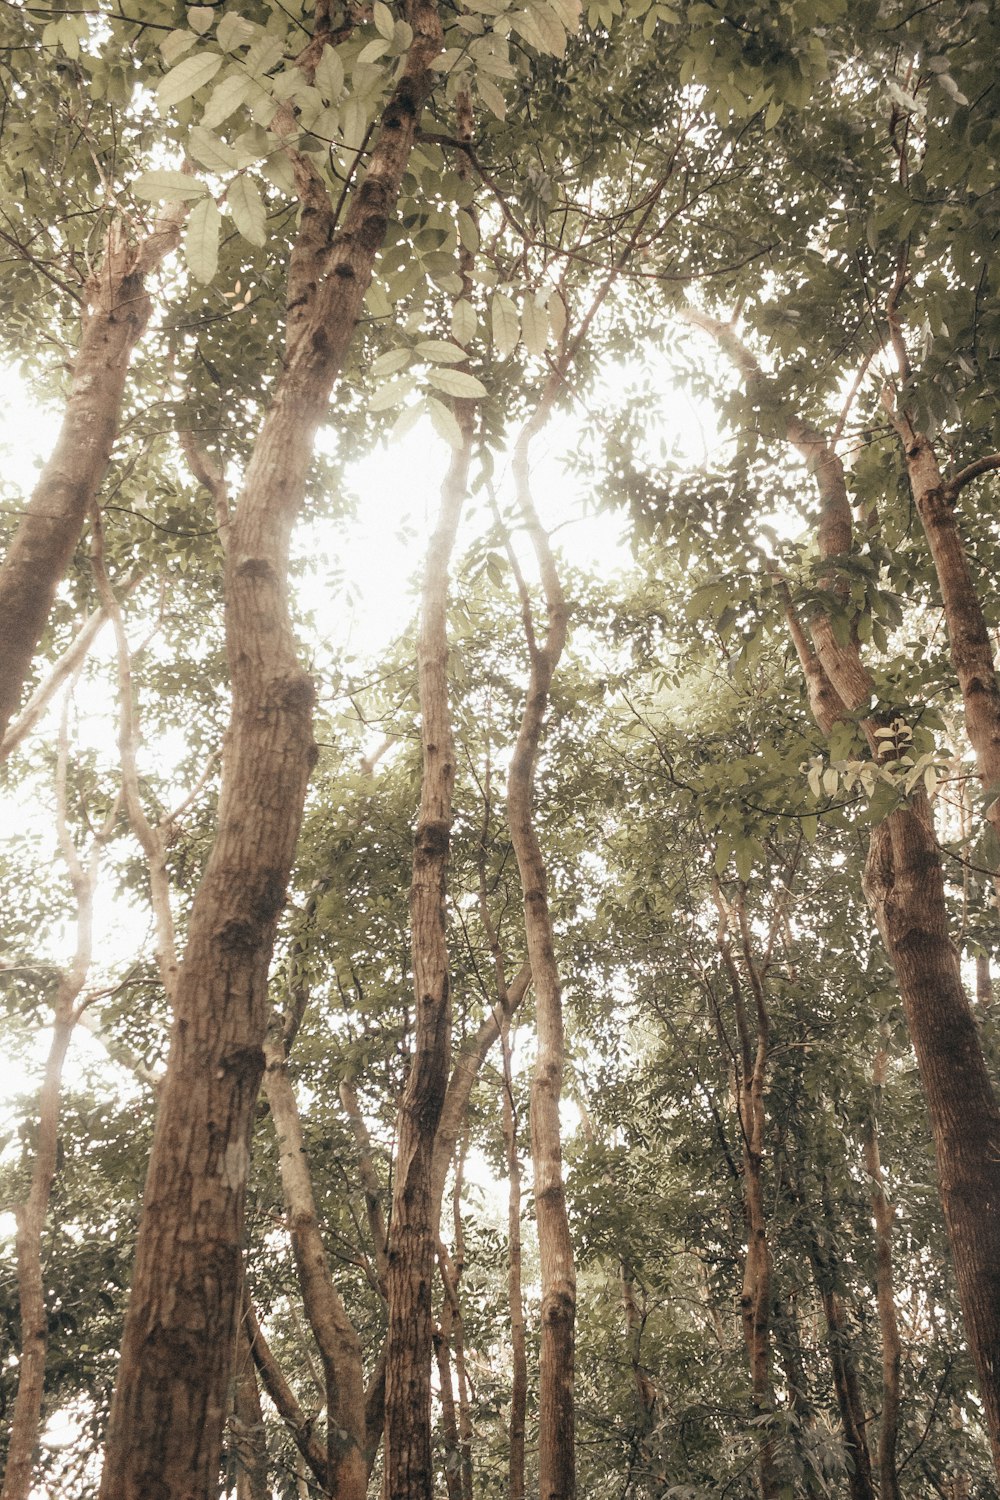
[(391, 393), (463, 321), (830, 781), (457, 383), (505, 323), (234, 31), (200, 18), (557, 316), (491, 97), (445, 423), (468, 231), (201, 240), (190, 75), (247, 209), (168, 186), (535, 321), (391, 362), (225, 97), (210, 151), (330, 75), (176, 44), (440, 352), (383, 18)]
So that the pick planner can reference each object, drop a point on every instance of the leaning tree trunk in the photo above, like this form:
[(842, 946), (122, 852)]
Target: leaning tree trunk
[(414, 1230), (169, 1407), (556, 1442), (905, 887), (117, 309)]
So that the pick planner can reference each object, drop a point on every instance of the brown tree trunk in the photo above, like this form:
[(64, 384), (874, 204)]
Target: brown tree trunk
[(31, 1216), (905, 888), (336, 1339), (904, 885), (556, 1444), (413, 1232), (846, 1385), (888, 1323), (247, 1426), (117, 309), (518, 1341), (751, 1073), (169, 1408)]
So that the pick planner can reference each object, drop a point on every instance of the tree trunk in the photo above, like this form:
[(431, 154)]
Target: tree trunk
[(336, 1339), (413, 1232), (888, 1324), (117, 309), (904, 885), (518, 1342), (169, 1408), (846, 1386), (247, 1425), (31, 1216), (556, 1444)]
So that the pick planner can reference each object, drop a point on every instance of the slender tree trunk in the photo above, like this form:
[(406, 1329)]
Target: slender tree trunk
[(556, 1441), (846, 1385), (169, 1408), (413, 1232), (905, 888), (903, 882), (116, 310), (446, 1396), (518, 1341), (751, 1074), (31, 1216), (336, 1339), (247, 1426), (285, 1402), (888, 1323)]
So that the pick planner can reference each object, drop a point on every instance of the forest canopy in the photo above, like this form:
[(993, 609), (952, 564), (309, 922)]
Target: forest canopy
[(528, 1029)]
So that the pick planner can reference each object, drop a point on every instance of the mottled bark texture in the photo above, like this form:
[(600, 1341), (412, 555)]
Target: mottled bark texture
[(338, 1343), (117, 309), (169, 1407), (905, 887), (556, 1440), (892, 1349), (415, 1219)]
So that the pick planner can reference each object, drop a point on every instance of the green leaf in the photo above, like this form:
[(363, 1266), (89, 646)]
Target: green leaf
[(383, 18), (440, 352), (214, 154), (535, 321), (392, 361), (176, 44), (445, 423), (225, 97), (463, 321), (457, 383), (505, 323), (234, 31), (201, 240), (190, 75), (330, 75), (168, 186), (391, 393), (247, 209), (200, 18)]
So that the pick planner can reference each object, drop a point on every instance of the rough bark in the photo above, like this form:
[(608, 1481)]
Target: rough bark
[(515, 1299), (30, 1217), (751, 1073), (413, 1229), (116, 312), (247, 1426), (888, 1323), (905, 887), (170, 1403), (336, 1339), (846, 1386), (556, 1448)]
